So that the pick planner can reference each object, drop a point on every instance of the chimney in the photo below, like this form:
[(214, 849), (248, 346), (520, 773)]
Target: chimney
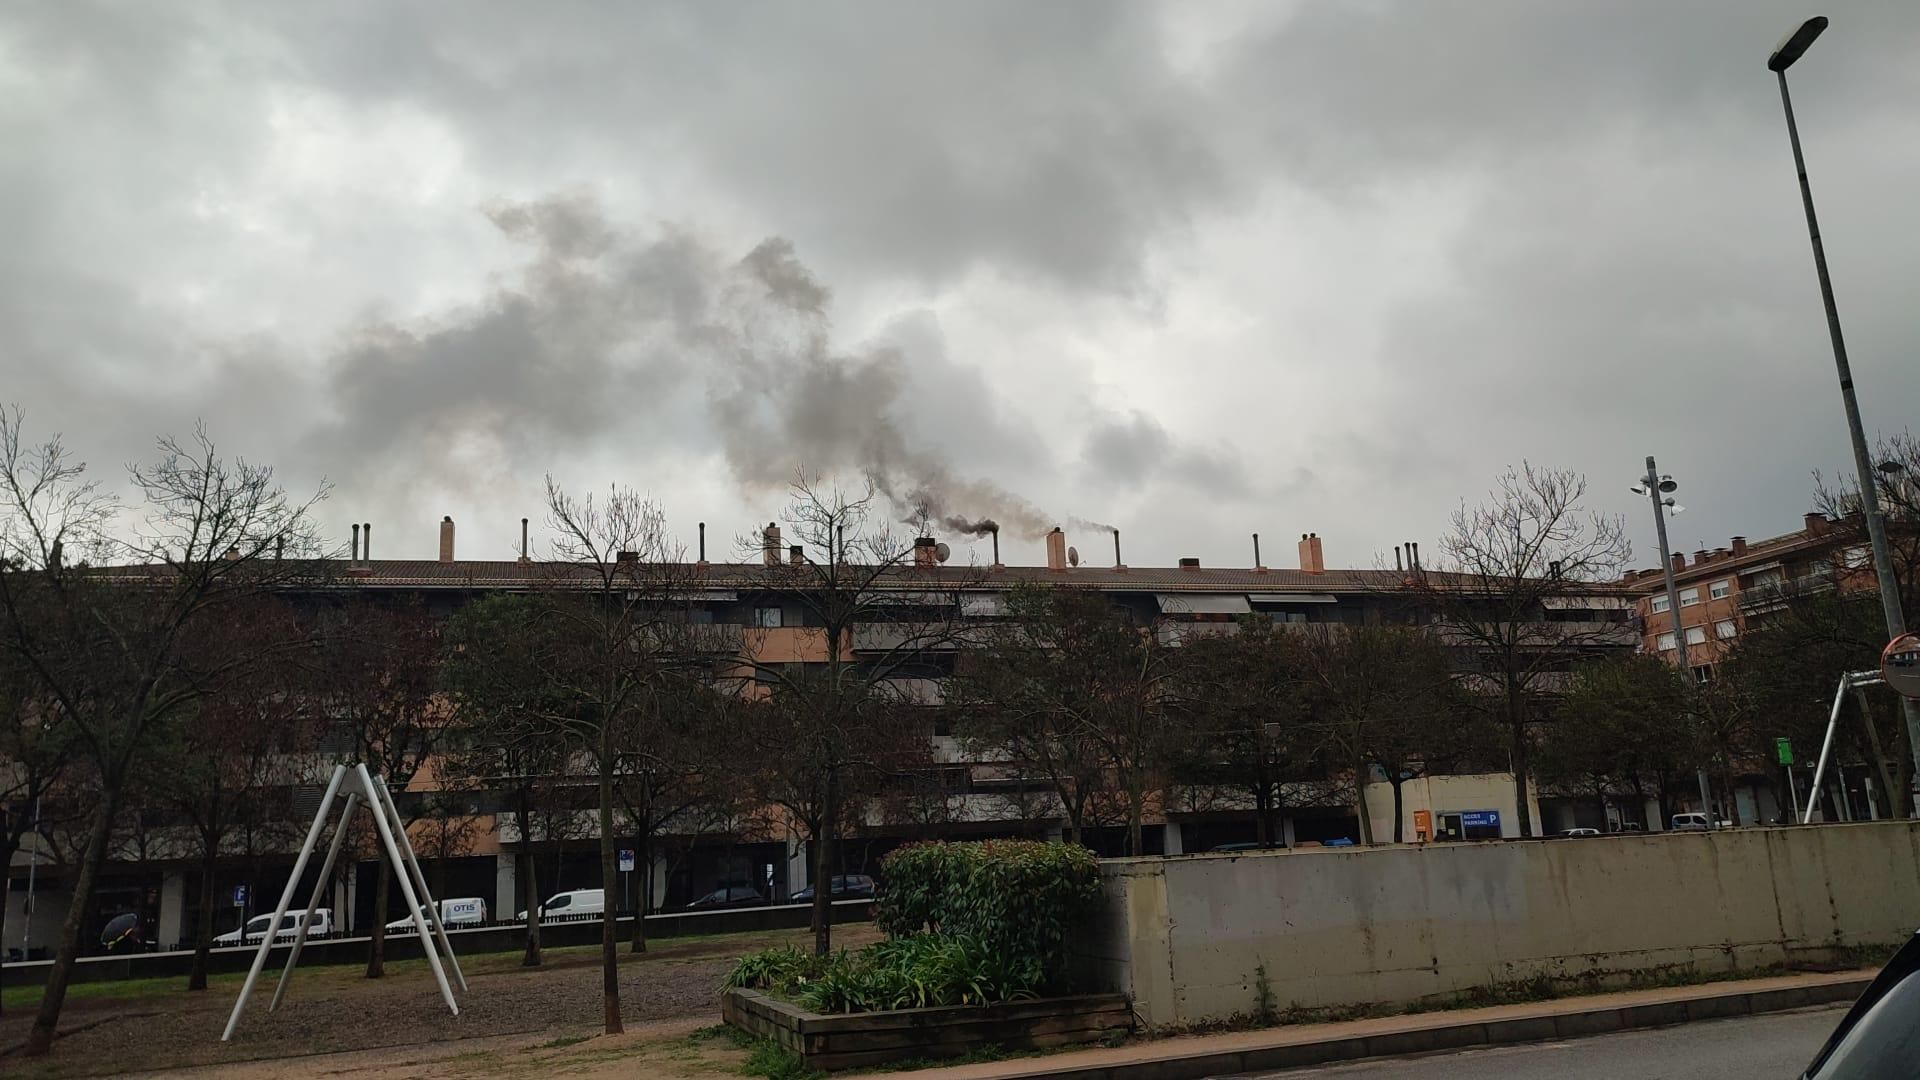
[(1256, 555), (1397, 564), (703, 543), (1816, 522), (446, 539), (925, 555), (1118, 563), (626, 558), (996, 546), (1311, 559), (1701, 556), (54, 556), (797, 555), (1739, 545), (366, 542), (1189, 562), (523, 540), (233, 553), (1679, 561), (1413, 554), (770, 544), (354, 552), (1056, 549), (279, 547)]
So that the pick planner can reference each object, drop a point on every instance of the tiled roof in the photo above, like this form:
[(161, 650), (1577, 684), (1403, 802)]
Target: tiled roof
[(1835, 534)]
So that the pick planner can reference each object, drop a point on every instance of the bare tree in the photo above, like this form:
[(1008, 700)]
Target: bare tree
[(1509, 570), (877, 614), (100, 616), (377, 681), (34, 749)]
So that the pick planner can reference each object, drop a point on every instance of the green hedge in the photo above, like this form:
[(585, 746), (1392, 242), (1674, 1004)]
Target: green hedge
[(1021, 898), (966, 924)]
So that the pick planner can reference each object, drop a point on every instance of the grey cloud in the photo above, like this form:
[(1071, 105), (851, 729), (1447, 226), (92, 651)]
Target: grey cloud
[(1131, 451)]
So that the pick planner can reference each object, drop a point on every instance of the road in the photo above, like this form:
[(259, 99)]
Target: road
[(1775, 1045)]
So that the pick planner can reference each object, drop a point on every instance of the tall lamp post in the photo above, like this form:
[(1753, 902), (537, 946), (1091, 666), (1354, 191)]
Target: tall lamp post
[(1791, 49), (1659, 489)]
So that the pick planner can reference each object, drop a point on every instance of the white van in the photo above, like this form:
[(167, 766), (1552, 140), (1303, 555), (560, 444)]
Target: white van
[(578, 904), (454, 914), (256, 928), (1695, 821)]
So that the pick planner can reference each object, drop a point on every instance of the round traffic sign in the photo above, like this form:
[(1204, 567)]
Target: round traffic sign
[(1900, 665)]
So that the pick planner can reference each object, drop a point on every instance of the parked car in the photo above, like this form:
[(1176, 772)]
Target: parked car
[(729, 896), (845, 887), (1581, 832), (1692, 821), (1880, 1035), (575, 904), (465, 911), (256, 928)]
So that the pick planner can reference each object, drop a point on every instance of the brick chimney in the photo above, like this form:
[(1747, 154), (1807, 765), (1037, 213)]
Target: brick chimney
[(1312, 559), (926, 552), (1816, 522), (770, 544), (1739, 545), (1679, 561), (1056, 549), (797, 555), (446, 539)]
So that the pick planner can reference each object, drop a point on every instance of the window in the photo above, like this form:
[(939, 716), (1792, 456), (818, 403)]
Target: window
[(1696, 635), (1725, 629), (766, 617), (1666, 642), (1659, 604), (1719, 590), (1703, 674), (1769, 576), (1689, 597)]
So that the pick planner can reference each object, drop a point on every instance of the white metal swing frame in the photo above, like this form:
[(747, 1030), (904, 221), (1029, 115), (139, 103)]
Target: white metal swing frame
[(356, 786), (1856, 681)]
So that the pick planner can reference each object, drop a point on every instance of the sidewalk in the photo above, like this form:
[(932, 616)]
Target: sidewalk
[(1192, 1056)]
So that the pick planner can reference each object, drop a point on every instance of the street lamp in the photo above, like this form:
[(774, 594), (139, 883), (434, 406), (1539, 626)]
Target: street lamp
[(1659, 489), (1791, 49)]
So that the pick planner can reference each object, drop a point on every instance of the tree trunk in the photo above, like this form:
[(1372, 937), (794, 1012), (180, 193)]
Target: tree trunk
[(530, 895), (1136, 844), (1399, 783), (47, 1020), (1517, 722), (609, 930), (6, 880), (1263, 815), (203, 924), (823, 868), (643, 876), (377, 933), (1360, 804)]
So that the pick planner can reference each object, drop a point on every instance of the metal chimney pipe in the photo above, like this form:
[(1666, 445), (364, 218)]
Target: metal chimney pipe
[(1416, 554), (366, 542), (1256, 552), (523, 539), (1117, 561), (996, 546), (355, 556), (1396, 558), (703, 541)]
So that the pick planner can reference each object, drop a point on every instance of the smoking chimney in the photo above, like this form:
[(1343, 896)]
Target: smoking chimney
[(354, 555), (926, 554), (1311, 559), (446, 539), (770, 544), (703, 543), (1118, 563), (1056, 549), (523, 540), (996, 547)]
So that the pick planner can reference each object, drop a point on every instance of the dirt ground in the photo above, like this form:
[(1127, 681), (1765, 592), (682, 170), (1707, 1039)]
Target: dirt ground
[(513, 1021)]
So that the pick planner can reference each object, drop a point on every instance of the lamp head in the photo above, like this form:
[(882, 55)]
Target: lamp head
[(1667, 485), (1795, 44)]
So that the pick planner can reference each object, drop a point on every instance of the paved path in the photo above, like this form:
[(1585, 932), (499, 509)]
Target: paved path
[(1775, 1045)]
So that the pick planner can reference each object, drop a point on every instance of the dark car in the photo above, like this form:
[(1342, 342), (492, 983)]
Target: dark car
[(729, 896), (845, 887), (1880, 1035)]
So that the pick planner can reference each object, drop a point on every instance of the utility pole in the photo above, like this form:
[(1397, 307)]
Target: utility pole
[(1657, 488)]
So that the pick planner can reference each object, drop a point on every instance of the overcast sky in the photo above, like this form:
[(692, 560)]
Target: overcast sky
[(1197, 270)]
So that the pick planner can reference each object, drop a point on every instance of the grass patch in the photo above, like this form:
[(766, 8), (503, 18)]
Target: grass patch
[(564, 1040), (775, 1062)]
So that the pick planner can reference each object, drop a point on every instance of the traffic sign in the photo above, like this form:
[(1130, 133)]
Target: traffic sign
[(239, 896), (1783, 749), (1480, 819), (626, 860)]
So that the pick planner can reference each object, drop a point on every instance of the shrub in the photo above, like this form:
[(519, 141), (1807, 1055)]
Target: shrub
[(1020, 899)]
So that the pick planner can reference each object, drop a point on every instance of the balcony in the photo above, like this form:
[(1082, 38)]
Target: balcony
[(1755, 599)]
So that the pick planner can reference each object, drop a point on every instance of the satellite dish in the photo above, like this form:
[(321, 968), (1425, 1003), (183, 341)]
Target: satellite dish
[(1073, 556), (942, 552)]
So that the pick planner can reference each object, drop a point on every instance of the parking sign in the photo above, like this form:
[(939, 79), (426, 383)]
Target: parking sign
[(240, 896), (626, 860)]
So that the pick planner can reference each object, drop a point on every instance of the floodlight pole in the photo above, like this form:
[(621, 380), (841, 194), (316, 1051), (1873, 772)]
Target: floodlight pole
[(1652, 481)]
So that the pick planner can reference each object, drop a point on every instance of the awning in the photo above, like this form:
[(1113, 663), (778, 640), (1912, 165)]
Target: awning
[(1293, 598), (1583, 603), (983, 604), (1203, 603)]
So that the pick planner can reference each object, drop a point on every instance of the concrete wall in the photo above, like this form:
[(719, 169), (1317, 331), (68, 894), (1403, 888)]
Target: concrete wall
[(1445, 795), (1186, 937)]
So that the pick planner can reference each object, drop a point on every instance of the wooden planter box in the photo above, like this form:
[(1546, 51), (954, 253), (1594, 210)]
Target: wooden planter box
[(845, 1040)]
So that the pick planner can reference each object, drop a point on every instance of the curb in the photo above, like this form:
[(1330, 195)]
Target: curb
[(1442, 1035)]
